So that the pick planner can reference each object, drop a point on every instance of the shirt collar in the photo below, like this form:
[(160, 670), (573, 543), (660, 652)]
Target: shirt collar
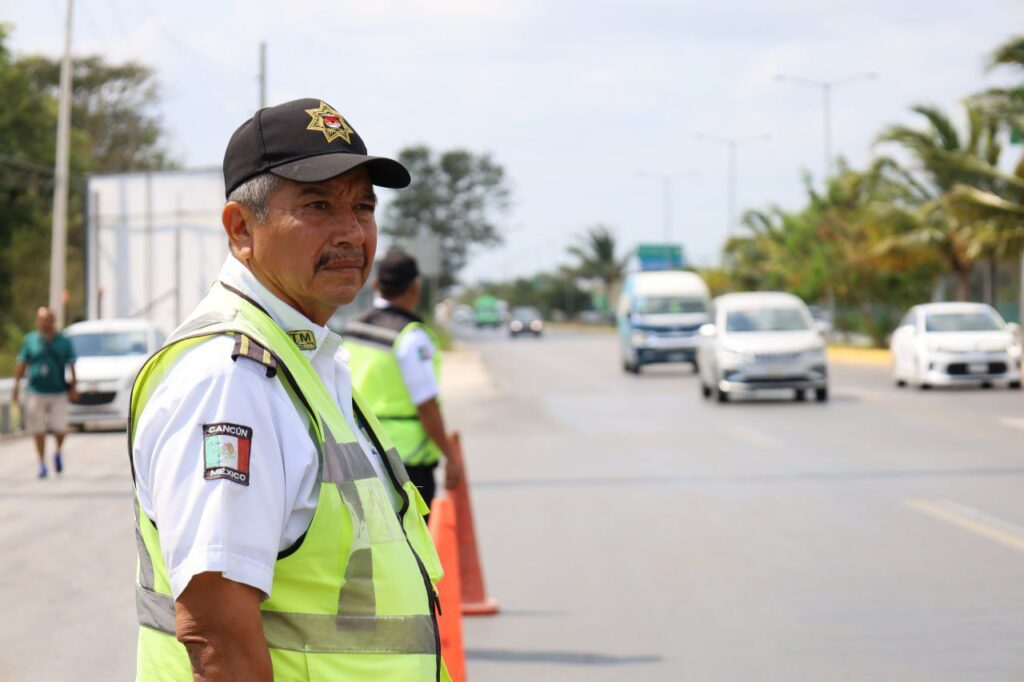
[(309, 336)]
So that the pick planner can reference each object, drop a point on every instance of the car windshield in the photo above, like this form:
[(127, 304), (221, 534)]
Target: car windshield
[(526, 313), (766, 320), (976, 321), (671, 305), (106, 344)]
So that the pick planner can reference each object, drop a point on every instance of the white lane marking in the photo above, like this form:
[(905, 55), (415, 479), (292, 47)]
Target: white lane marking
[(865, 393), (1012, 422), (754, 437), (969, 518)]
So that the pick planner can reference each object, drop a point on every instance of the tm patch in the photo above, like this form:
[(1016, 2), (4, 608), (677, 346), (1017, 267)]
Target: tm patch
[(304, 339), (226, 452), (425, 353)]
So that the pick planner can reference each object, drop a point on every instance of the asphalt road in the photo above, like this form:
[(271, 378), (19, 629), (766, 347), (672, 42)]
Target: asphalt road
[(631, 530)]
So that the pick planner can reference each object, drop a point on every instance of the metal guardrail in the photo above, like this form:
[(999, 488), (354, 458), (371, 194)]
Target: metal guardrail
[(10, 412)]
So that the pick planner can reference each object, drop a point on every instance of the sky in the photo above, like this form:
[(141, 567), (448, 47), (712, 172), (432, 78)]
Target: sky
[(583, 102)]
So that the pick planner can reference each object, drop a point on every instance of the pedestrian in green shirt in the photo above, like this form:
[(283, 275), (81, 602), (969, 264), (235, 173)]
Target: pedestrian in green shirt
[(45, 354)]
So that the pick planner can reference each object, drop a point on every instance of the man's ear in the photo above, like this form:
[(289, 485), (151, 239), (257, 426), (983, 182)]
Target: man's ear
[(238, 225)]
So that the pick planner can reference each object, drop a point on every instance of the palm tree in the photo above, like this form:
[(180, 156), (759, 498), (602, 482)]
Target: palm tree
[(595, 253), (947, 160)]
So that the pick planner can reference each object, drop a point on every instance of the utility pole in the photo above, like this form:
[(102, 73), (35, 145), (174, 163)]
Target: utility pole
[(826, 108), (732, 144), (263, 74), (58, 245)]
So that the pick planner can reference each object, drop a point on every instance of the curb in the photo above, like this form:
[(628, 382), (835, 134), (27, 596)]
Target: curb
[(874, 357)]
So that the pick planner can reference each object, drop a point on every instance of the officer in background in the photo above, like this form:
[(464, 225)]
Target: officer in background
[(279, 536), (396, 366)]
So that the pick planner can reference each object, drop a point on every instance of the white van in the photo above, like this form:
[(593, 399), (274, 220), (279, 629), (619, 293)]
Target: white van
[(659, 313)]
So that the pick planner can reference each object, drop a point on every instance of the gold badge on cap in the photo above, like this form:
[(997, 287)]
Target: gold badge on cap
[(330, 123)]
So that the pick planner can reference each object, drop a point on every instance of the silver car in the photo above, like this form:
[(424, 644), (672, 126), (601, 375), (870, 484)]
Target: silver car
[(761, 341)]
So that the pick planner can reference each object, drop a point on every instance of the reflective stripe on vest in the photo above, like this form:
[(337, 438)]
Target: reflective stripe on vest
[(377, 374), (359, 582)]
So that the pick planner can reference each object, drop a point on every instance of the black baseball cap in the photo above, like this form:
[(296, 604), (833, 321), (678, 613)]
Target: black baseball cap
[(397, 267), (305, 140)]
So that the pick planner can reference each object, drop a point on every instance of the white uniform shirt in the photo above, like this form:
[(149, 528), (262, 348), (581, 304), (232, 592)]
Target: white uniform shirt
[(218, 524), (416, 362)]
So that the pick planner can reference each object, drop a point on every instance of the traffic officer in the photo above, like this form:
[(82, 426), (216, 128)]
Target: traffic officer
[(396, 365), (279, 536)]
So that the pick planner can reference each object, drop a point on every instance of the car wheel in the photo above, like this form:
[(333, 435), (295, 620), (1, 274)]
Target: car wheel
[(821, 395), (986, 384), (799, 395), (925, 386), (720, 395), (901, 383), (1014, 385), (705, 390)]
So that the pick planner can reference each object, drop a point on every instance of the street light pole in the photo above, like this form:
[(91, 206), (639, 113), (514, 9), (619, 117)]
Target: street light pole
[(666, 197), (826, 107), (732, 145), (58, 244)]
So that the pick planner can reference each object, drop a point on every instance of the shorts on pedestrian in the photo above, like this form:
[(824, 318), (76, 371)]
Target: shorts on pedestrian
[(46, 412)]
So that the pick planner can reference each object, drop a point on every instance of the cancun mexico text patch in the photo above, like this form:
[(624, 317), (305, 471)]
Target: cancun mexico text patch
[(226, 452)]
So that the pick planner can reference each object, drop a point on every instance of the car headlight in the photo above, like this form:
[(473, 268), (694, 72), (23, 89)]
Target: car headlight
[(732, 358), (1013, 350), (516, 325), (638, 338), (536, 325), (816, 354)]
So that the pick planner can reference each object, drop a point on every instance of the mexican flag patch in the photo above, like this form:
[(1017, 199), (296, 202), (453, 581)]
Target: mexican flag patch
[(226, 452)]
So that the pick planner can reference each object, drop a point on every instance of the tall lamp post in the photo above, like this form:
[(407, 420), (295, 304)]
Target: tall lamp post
[(732, 144), (666, 197), (826, 87)]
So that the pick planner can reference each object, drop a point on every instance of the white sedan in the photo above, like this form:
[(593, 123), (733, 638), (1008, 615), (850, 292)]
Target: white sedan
[(945, 344), (761, 341), (110, 354)]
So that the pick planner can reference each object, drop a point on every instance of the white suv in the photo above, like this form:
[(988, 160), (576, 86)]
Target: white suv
[(761, 341)]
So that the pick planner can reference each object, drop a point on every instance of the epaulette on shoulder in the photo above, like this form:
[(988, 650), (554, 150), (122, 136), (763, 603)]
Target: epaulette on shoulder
[(245, 347)]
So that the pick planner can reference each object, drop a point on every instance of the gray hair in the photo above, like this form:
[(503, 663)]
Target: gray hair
[(255, 192)]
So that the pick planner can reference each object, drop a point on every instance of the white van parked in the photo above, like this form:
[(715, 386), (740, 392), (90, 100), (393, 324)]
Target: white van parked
[(761, 341), (659, 313), (110, 354)]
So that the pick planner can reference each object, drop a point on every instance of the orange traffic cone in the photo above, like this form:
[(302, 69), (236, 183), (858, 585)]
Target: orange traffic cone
[(442, 528), (474, 597)]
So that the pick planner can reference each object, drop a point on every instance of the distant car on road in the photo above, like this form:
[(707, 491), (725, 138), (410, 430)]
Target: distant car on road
[(110, 354), (525, 320), (759, 341), (944, 344)]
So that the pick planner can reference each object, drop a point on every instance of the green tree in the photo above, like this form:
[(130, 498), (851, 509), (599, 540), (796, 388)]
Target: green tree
[(946, 160), (837, 250), (597, 258), (456, 195), (114, 128)]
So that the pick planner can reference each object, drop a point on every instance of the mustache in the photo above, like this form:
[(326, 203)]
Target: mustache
[(350, 255)]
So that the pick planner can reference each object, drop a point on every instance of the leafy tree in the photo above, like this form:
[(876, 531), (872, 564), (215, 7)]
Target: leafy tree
[(113, 110), (455, 195), (946, 160), (555, 292), (837, 249), (113, 129), (596, 258)]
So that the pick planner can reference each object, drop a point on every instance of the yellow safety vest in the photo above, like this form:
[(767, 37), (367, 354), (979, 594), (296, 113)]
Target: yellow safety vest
[(354, 600), (371, 341)]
